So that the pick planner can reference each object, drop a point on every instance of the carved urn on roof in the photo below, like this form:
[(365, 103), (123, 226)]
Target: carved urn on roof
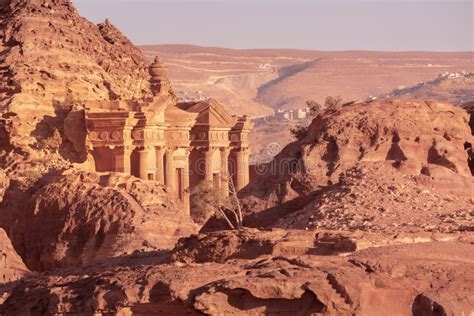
[(159, 82)]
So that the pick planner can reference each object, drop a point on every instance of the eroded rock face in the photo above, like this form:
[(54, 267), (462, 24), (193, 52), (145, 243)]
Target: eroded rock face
[(84, 216), (75, 134), (52, 58), (423, 135), (399, 279), (381, 197), (4, 3), (11, 266), (469, 146), (249, 243), (470, 109), (4, 184)]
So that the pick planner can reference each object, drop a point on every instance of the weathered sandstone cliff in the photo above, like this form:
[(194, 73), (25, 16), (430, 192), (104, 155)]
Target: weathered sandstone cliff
[(81, 217), (51, 62), (52, 59), (12, 267)]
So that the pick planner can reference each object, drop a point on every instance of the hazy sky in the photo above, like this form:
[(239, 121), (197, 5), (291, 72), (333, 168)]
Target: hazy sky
[(309, 24)]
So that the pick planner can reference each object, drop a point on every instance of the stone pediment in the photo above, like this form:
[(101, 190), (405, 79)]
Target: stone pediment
[(155, 110), (212, 113), (178, 117)]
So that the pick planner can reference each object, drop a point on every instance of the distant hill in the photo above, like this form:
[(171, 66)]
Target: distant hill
[(457, 88), (256, 82)]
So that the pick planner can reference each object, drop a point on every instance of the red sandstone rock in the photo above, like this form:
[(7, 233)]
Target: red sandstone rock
[(418, 138), (50, 58), (248, 243), (386, 177), (4, 184), (11, 266), (82, 217), (378, 197), (75, 133), (397, 279)]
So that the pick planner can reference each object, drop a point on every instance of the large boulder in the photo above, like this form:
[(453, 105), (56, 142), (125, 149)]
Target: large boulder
[(82, 217)]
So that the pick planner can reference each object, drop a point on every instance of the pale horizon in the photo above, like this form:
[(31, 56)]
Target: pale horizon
[(392, 26)]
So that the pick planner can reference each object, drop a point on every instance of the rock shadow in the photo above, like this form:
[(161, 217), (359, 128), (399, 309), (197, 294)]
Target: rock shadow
[(51, 134), (307, 304)]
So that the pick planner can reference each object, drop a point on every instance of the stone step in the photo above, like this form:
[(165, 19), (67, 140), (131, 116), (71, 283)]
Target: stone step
[(340, 296)]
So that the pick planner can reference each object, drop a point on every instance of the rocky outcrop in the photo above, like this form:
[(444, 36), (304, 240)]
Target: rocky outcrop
[(11, 266), (249, 243), (4, 184), (398, 279), (51, 58), (453, 87), (52, 61), (82, 217), (378, 197), (417, 137), (469, 107)]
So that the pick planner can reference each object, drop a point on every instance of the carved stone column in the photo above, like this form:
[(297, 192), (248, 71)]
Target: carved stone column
[(225, 170), (209, 157), (185, 181), (122, 159), (246, 167), (143, 164), (160, 166), (170, 170), (152, 163), (242, 168)]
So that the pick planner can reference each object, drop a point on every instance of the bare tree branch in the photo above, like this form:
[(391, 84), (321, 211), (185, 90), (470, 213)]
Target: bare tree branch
[(226, 218), (233, 193)]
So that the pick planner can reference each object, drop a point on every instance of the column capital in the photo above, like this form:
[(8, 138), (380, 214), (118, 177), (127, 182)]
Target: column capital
[(122, 148), (240, 149), (170, 148), (170, 170)]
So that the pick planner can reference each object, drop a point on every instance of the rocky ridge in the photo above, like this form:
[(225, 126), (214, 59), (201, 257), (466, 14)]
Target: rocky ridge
[(418, 138), (456, 88), (52, 59), (51, 62)]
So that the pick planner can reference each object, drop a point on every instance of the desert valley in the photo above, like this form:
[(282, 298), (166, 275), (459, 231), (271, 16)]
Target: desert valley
[(186, 180), (262, 82)]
